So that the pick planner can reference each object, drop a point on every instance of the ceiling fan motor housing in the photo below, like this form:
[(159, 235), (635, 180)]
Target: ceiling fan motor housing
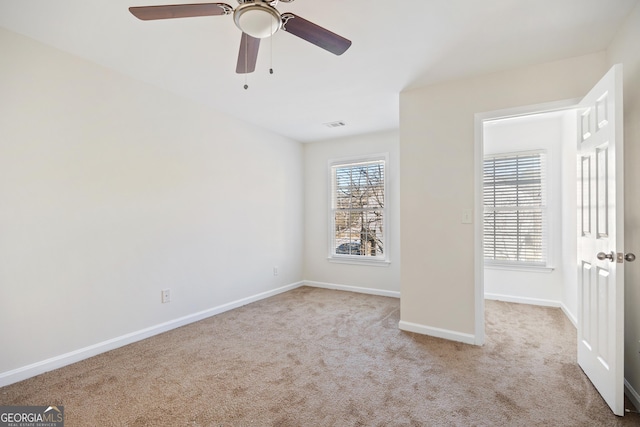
[(258, 19)]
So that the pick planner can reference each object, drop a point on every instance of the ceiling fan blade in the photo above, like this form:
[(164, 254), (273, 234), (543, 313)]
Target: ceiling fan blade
[(147, 13), (248, 54), (315, 34)]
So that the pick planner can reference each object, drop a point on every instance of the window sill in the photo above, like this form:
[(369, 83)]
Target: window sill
[(359, 261), (527, 268)]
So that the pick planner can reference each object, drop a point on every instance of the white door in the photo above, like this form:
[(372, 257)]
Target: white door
[(600, 231)]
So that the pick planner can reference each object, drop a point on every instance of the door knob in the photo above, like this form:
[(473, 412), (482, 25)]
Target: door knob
[(602, 256), (630, 257)]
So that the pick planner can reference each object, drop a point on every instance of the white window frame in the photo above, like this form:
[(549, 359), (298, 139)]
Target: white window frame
[(381, 260), (543, 265)]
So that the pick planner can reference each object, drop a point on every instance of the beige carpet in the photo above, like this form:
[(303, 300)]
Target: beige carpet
[(316, 357)]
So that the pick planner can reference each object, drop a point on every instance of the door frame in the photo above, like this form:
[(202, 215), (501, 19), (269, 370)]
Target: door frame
[(479, 120)]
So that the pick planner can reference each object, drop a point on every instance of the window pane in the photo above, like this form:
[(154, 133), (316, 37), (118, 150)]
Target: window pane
[(359, 232), (358, 208), (513, 236), (513, 181), (514, 217)]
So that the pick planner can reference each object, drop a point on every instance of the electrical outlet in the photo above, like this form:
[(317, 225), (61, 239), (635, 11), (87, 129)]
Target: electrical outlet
[(275, 270), (166, 296)]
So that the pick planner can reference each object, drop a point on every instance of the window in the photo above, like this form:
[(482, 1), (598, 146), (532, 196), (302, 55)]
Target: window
[(358, 211), (515, 209)]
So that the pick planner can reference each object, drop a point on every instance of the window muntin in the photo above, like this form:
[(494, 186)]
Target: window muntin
[(358, 209), (515, 209)]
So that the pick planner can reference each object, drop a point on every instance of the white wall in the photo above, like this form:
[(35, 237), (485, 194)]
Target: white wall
[(545, 131), (317, 268), (624, 49), (111, 190), (568, 188), (437, 182)]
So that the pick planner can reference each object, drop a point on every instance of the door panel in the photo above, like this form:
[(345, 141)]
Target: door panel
[(602, 191), (600, 216)]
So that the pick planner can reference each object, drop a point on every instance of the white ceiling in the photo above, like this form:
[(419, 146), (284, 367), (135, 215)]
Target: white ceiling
[(396, 45)]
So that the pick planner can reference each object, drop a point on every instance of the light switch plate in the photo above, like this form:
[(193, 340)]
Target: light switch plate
[(467, 216)]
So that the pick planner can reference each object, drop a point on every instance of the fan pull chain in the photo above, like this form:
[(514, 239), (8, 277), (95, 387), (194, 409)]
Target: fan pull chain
[(271, 53), (271, 49), (246, 60)]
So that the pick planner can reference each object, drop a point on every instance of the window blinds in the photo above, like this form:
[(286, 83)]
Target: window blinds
[(358, 208), (515, 208)]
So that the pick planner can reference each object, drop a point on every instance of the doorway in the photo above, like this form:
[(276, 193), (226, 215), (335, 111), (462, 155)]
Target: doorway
[(548, 129), (533, 258), (599, 201)]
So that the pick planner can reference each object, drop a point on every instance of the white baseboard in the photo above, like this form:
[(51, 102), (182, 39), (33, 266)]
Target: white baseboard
[(569, 315), (370, 291), (632, 394), (407, 326), (534, 301), (437, 332), (522, 300), (56, 362)]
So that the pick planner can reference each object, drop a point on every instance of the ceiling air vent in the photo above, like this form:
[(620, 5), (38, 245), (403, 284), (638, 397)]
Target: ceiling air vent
[(337, 124)]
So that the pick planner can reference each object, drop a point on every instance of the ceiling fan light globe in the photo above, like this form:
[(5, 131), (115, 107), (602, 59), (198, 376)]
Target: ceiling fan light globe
[(258, 20)]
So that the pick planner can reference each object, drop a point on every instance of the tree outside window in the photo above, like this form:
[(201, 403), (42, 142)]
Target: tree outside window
[(358, 209)]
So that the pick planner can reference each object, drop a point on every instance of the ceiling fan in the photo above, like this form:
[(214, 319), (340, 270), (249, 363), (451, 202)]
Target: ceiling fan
[(257, 19)]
